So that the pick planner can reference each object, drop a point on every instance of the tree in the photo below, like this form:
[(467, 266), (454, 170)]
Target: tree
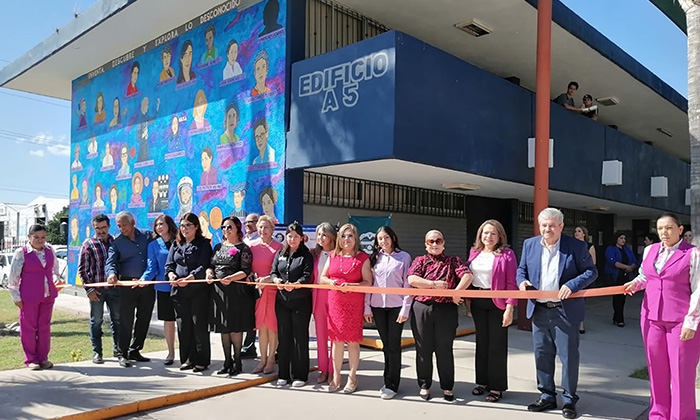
[(53, 229)]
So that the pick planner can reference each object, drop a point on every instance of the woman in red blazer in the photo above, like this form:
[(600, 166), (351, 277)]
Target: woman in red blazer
[(494, 266)]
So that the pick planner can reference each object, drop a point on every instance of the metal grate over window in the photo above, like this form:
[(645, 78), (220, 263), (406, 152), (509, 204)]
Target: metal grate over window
[(330, 26), (340, 191)]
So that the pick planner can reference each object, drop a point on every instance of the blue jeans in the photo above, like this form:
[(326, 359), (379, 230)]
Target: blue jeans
[(552, 334), (110, 296)]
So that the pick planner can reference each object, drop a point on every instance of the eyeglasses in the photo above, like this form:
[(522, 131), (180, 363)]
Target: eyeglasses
[(260, 136), (438, 241), (186, 225), (226, 227), (251, 222)]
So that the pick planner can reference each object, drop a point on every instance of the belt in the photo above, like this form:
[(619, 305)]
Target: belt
[(480, 288), (549, 305)]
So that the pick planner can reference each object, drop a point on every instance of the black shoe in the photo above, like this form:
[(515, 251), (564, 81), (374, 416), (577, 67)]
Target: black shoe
[(136, 356), (569, 411), (116, 353), (199, 369), (425, 396), (186, 366), (97, 359), (168, 362), (225, 368), (251, 353), (542, 405), (448, 397), (123, 362), (236, 368)]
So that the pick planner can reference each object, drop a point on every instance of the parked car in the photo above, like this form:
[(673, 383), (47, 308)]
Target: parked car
[(62, 256), (5, 261)]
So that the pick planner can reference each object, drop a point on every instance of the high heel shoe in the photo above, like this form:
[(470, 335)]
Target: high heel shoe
[(259, 368), (236, 368), (333, 387), (227, 366), (269, 368), (322, 378), (351, 386)]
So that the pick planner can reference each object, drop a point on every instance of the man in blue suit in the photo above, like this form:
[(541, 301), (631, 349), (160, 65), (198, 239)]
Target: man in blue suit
[(560, 263)]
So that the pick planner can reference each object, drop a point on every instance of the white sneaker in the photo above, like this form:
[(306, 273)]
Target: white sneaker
[(298, 384), (381, 390), (282, 382), (388, 394), (33, 366)]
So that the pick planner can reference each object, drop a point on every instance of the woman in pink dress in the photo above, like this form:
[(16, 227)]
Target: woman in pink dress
[(264, 250), (347, 266), (325, 243)]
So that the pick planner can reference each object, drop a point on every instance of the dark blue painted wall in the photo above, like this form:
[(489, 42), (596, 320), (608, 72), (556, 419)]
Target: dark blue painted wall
[(438, 110)]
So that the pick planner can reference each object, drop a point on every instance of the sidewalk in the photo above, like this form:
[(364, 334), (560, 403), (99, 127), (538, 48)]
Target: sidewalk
[(608, 355)]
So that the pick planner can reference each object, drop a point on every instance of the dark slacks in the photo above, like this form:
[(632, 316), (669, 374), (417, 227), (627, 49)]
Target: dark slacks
[(552, 334), (293, 317), (390, 333), (192, 317), (434, 328), (141, 300), (618, 302), (109, 296), (491, 345)]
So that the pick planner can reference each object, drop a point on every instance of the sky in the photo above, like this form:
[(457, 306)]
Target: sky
[(35, 130)]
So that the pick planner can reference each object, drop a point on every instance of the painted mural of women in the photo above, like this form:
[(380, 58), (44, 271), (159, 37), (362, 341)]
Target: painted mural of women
[(85, 198), (136, 188), (186, 74), (113, 197), (232, 68), (204, 224), (74, 231), (231, 119), (165, 57), (200, 124), (184, 196), (74, 193), (76, 165), (268, 199), (116, 113), (174, 137), (124, 157), (261, 131), (99, 202), (82, 118), (261, 66), (134, 76), (108, 160), (209, 173), (100, 113)]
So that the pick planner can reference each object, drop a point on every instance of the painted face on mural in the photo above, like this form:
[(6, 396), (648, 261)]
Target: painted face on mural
[(174, 126), (186, 60), (166, 57), (231, 120), (261, 138), (206, 162), (261, 68), (268, 205), (113, 195), (238, 198), (85, 187), (232, 54), (209, 39), (144, 105), (185, 196), (134, 75), (115, 108), (138, 185), (125, 156), (74, 227)]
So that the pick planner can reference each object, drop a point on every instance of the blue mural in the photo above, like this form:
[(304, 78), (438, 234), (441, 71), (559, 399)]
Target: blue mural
[(192, 121)]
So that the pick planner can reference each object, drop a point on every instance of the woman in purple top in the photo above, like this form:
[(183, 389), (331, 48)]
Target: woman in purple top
[(434, 318), (389, 269), (493, 265), (33, 272), (670, 273)]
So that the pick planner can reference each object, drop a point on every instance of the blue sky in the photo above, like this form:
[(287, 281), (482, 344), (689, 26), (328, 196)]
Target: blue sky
[(38, 164)]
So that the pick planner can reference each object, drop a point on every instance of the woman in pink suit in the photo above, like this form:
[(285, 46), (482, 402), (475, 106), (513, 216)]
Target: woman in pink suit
[(325, 242), (347, 266), (264, 250), (670, 273), (494, 266), (33, 272)]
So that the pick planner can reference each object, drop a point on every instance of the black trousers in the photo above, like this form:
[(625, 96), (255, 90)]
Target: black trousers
[(491, 345), (434, 328), (293, 317), (390, 333), (141, 300), (618, 302), (192, 317)]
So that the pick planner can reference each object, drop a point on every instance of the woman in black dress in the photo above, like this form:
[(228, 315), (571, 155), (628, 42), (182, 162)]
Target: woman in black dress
[(234, 303), (187, 260)]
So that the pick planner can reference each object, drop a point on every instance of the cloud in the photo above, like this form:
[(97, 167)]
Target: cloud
[(37, 153), (59, 150)]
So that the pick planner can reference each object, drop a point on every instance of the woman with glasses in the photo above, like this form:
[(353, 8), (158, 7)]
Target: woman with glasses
[(234, 303), (389, 312), (264, 250), (493, 265), (325, 243), (348, 267), (293, 264), (187, 260), (434, 318), (164, 232)]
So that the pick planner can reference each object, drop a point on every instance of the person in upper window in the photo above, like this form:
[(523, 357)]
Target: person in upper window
[(567, 99)]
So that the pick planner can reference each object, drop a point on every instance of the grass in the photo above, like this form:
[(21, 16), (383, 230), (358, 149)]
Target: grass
[(70, 337), (641, 373)]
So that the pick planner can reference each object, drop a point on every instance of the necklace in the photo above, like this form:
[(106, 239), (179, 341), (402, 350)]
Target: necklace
[(340, 266)]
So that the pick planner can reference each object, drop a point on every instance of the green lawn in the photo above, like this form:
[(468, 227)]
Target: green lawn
[(70, 337), (641, 373)]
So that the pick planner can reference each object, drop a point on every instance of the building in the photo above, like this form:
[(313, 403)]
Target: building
[(15, 219), (417, 110)]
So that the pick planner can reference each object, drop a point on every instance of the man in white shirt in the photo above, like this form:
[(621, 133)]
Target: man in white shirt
[(559, 263)]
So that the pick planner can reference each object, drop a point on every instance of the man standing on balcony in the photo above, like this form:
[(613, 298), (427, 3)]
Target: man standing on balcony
[(567, 99)]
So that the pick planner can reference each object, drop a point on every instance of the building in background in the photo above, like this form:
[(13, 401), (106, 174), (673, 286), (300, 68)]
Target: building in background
[(15, 219)]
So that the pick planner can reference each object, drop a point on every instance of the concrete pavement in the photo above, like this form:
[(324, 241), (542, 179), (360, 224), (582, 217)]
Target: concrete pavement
[(608, 355)]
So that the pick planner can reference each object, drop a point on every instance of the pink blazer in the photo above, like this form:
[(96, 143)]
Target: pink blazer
[(505, 266), (320, 296)]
